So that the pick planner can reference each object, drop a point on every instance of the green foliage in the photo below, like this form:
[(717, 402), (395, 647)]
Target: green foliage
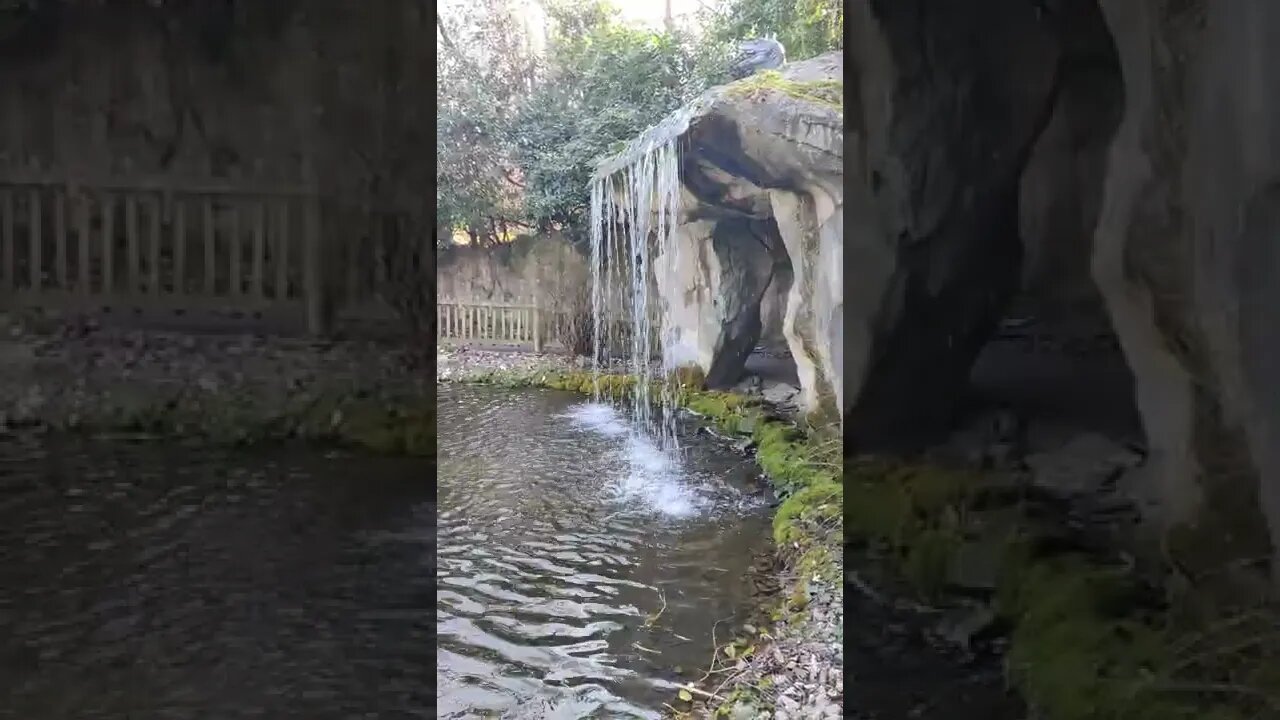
[(519, 132), (484, 69), (605, 83), (804, 27)]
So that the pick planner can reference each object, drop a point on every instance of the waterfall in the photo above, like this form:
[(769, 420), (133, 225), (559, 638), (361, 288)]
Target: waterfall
[(634, 211)]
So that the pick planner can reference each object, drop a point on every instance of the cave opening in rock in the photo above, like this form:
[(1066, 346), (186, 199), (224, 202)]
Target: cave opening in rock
[(734, 304), (753, 281), (1053, 380), (770, 366)]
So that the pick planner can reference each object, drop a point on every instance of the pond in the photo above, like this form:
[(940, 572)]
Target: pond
[(159, 582), (582, 572)]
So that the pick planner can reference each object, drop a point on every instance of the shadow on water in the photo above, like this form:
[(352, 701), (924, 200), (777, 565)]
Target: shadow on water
[(140, 581), (581, 571)]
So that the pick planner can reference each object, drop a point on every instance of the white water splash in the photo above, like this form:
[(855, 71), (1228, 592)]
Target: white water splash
[(598, 417), (635, 210), (649, 475)]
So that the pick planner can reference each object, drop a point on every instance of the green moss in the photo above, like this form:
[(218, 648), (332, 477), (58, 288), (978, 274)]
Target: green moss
[(829, 93), (928, 557), (715, 405), (818, 503), (1082, 647), (805, 468), (689, 376), (906, 505), (391, 433), (876, 511), (613, 386), (1078, 650)]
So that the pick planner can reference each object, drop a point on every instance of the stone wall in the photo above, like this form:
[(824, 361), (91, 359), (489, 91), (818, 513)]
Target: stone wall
[(546, 271), (125, 90)]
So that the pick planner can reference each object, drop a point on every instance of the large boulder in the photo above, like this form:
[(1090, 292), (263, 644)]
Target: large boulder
[(762, 169)]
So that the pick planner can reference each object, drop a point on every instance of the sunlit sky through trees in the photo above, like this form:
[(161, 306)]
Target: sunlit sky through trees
[(642, 12)]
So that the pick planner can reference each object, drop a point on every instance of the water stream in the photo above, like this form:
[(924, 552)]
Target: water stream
[(582, 569), (634, 213)]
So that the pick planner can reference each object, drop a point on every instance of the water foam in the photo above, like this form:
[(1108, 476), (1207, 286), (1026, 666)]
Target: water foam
[(647, 473), (599, 417)]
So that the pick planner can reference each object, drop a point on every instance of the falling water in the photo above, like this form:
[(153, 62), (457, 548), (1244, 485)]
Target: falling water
[(634, 210)]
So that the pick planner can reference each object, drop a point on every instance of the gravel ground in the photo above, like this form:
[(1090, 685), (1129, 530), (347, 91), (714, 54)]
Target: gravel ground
[(799, 675), (806, 664), (459, 364), (80, 374)]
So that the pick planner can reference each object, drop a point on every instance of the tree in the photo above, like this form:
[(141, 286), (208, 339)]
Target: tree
[(518, 133), (805, 27), (484, 69), (604, 84)]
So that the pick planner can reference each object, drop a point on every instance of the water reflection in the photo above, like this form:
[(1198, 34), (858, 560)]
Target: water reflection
[(145, 582)]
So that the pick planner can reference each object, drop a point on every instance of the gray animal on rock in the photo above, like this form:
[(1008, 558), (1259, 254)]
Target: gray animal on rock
[(755, 55)]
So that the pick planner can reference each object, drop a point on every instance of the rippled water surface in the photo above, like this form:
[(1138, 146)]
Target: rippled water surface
[(146, 583), (581, 571)]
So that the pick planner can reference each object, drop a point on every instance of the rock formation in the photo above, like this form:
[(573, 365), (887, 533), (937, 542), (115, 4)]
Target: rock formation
[(1187, 257), (946, 105), (1114, 163), (763, 195), (1128, 152), (760, 233)]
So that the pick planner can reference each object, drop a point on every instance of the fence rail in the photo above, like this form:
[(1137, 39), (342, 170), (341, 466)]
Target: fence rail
[(490, 323), (160, 245)]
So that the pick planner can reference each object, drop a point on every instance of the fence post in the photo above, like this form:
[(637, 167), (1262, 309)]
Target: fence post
[(7, 239), (312, 280), (537, 328)]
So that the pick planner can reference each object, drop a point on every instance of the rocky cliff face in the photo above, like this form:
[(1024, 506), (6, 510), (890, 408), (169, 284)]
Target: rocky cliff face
[(1118, 162)]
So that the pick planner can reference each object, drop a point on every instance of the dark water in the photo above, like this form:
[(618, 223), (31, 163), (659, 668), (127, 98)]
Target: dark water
[(580, 574), (169, 583)]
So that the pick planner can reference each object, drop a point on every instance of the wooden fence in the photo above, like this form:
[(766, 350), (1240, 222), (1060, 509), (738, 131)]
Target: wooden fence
[(160, 244), (490, 323)]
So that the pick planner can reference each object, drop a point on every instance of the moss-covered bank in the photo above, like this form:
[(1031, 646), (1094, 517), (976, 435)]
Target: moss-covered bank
[(828, 93), (1091, 639), (381, 423)]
